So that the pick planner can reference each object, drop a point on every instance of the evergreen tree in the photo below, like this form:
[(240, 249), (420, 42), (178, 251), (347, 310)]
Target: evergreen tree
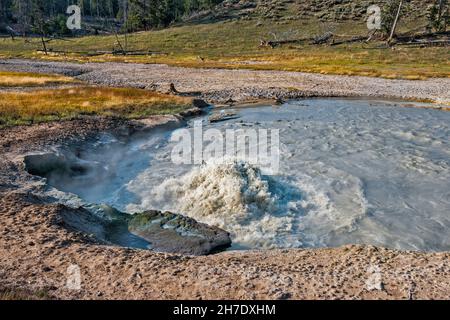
[(438, 16), (47, 16)]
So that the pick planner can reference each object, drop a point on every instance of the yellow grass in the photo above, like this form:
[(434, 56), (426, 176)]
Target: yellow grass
[(17, 108), (23, 79)]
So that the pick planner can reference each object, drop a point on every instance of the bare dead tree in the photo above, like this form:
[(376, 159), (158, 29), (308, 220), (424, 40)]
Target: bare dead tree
[(441, 7), (394, 25)]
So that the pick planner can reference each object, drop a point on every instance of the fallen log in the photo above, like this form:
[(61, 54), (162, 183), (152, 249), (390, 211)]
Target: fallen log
[(276, 43), (430, 43), (323, 38), (99, 53), (352, 40), (444, 35), (88, 54), (311, 40)]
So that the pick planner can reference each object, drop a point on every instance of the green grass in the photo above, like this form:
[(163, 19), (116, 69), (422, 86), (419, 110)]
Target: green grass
[(25, 108), (235, 45)]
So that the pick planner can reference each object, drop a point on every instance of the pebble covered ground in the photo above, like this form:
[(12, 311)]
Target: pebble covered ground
[(225, 86)]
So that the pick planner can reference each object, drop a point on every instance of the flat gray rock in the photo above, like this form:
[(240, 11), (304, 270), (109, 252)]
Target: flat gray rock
[(158, 231), (170, 232)]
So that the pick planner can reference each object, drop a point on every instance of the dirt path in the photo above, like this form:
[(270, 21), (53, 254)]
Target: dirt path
[(222, 86)]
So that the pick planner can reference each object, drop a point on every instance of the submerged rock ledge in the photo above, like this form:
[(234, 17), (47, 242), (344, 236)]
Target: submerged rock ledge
[(159, 231), (170, 232)]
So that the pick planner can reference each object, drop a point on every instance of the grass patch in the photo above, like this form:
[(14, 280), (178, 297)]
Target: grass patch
[(235, 45), (24, 79), (24, 108)]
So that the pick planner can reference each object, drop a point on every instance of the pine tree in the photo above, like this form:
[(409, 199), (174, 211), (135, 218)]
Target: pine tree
[(133, 15)]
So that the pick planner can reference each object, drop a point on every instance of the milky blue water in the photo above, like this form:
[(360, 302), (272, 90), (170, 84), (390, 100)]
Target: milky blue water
[(351, 171)]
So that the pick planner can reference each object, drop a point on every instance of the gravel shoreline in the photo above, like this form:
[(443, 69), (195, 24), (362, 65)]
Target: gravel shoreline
[(37, 247), (219, 86)]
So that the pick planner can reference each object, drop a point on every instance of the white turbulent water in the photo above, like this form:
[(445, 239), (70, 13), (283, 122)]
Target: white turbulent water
[(352, 171), (233, 195)]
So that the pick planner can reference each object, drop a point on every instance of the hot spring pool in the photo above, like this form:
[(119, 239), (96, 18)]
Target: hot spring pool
[(351, 172)]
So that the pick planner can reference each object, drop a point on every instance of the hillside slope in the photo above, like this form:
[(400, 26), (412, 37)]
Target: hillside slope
[(285, 10), (231, 36)]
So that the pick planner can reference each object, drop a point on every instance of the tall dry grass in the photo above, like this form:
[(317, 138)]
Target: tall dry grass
[(24, 79), (17, 108)]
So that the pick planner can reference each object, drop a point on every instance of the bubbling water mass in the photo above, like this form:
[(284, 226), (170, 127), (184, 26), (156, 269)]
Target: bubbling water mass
[(351, 172), (234, 195)]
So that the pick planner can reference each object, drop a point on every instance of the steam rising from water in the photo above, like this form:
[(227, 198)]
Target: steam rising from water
[(258, 210), (352, 171)]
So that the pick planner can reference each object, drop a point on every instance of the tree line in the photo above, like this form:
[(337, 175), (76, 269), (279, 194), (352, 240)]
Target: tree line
[(49, 16), (438, 17)]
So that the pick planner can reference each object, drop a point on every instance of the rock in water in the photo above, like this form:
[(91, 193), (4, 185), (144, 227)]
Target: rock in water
[(170, 232), (155, 230), (224, 116), (159, 231)]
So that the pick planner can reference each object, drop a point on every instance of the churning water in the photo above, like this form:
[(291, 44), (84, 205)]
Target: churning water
[(351, 171)]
